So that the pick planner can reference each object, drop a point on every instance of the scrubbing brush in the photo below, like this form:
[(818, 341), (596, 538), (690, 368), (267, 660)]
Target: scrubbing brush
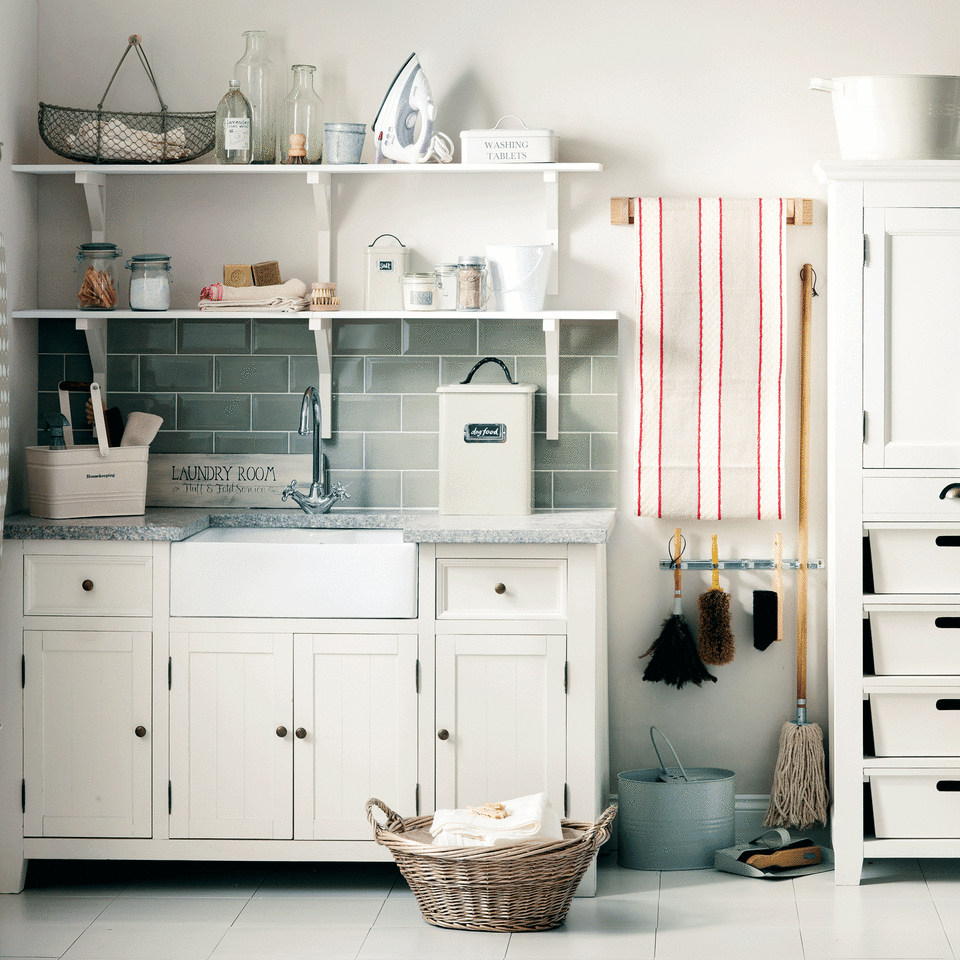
[(714, 640), (768, 605)]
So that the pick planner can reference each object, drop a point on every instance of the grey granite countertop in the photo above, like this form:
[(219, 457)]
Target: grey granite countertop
[(561, 526)]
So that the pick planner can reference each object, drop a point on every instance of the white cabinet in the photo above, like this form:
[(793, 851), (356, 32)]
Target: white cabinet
[(894, 519), (87, 733), (281, 736), (147, 736), (501, 718)]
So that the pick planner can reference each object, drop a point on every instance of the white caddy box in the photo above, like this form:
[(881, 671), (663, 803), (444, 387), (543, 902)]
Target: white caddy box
[(508, 145), (916, 803)]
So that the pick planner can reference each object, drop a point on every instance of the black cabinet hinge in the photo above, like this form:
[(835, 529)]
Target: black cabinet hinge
[(23, 795), (566, 676), (169, 673), (23, 672), (417, 675), (566, 800), (416, 803), (169, 796)]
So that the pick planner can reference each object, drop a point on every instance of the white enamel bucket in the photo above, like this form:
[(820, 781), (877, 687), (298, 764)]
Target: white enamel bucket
[(896, 117), (518, 276)]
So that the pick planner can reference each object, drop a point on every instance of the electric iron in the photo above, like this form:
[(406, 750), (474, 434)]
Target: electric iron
[(408, 100)]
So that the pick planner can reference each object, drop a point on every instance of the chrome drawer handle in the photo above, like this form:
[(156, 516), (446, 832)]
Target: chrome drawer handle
[(950, 492)]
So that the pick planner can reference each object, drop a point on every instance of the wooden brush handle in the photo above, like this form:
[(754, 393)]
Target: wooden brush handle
[(806, 276), (677, 572), (715, 560)]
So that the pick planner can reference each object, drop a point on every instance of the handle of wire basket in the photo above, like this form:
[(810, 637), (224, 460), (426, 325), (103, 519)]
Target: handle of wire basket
[(394, 820), (134, 41), (666, 772)]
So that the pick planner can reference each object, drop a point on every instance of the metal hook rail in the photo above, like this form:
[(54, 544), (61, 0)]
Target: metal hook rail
[(740, 564)]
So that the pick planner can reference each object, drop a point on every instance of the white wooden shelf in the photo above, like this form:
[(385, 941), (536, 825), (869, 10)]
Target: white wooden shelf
[(94, 325)]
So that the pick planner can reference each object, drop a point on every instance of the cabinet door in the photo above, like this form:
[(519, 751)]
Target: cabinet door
[(355, 701), (230, 770), (911, 343), (86, 764), (502, 704)]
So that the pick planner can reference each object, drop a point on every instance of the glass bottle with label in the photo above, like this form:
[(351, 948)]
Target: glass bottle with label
[(301, 113), (233, 127), (258, 84)]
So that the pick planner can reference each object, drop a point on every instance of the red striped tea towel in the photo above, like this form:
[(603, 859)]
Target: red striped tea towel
[(710, 332)]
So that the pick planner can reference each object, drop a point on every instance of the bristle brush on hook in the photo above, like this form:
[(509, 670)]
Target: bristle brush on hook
[(768, 605), (674, 659), (714, 639)]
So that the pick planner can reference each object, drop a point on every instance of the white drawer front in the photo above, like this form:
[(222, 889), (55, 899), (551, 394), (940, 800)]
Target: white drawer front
[(915, 721), (61, 586), (923, 559), (501, 589), (916, 803), (911, 497), (915, 640)]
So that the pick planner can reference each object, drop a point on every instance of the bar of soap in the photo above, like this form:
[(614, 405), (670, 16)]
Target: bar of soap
[(237, 275), (266, 274)]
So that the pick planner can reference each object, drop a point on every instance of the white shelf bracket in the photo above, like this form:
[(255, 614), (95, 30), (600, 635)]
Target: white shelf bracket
[(95, 191), (551, 211), (95, 329), (551, 338), (322, 326), (323, 204)]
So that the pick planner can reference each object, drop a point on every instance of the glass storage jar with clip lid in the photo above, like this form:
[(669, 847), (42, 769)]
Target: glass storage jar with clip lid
[(97, 271), (150, 276)]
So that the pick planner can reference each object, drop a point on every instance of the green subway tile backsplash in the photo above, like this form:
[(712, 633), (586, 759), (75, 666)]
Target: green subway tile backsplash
[(233, 385)]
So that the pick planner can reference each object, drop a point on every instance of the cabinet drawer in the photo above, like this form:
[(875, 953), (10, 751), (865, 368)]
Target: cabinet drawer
[(915, 559), (915, 721), (61, 586), (916, 802), (501, 589), (915, 639), (905, 497)]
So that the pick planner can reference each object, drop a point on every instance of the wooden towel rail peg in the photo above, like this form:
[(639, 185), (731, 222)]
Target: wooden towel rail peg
[(799, 211)]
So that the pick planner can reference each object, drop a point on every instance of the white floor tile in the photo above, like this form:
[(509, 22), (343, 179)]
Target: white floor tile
[(180, 909), (689, 914), (300, 942), (843, 941), (427, 942), (730, 942), (880, 879), (866, 912), (614, 881), (50, 908), (350, 880), (716, 885), (25, 939), (594, 930), (310, 911), (400, 912), (147, 941)]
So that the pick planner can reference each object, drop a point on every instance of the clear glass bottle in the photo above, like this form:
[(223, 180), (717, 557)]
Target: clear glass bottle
[(233, 126), (301, 112), (258, 83)]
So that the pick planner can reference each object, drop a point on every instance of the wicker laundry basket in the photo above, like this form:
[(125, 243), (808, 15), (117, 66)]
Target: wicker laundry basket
[(514, 888)]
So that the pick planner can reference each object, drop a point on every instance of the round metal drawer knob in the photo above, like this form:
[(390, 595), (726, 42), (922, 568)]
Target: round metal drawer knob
[(443, 734), (500, 588), (281, 731), (87, 585), (141, 731), (299, 733)]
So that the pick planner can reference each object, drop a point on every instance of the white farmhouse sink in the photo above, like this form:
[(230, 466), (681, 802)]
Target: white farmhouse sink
[(293, 572)]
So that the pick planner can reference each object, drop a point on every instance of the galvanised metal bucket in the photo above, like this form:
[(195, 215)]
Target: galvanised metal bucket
[(674, 819)]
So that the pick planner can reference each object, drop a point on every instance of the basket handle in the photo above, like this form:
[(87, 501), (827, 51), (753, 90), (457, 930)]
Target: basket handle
[(134, 41), (603, 824), (394, 820)]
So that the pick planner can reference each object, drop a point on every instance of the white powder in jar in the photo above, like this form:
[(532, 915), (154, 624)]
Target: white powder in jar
[(150, 293)]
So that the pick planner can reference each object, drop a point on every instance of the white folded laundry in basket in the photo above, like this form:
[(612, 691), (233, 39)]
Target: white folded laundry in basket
[(526, 818)]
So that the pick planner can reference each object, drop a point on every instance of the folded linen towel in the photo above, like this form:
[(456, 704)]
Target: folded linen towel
[(280, 304), (117, 141), (528, 818), (288, 290)]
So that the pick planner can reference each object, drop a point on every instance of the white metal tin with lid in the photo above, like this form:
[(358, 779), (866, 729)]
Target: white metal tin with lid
[(508, 144), (486, 446)]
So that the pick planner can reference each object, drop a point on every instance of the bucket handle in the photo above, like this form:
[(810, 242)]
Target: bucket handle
[(669, 776), (480, 363), (826, 86), (382, 235)]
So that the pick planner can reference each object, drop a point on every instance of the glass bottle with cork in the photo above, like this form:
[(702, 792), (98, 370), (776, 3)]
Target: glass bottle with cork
[(301, 113)]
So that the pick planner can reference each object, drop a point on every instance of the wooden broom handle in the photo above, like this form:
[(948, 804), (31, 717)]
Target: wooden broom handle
[(806, 276), (677, 572)]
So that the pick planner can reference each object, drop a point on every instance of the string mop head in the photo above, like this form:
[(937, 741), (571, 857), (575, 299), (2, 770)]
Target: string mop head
[(799, 794)]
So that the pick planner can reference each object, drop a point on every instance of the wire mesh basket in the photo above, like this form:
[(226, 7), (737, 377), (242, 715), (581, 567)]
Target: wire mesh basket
[(516, 888), (104, 136)]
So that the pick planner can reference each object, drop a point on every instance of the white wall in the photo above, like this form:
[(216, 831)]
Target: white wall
[(680, 98)]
